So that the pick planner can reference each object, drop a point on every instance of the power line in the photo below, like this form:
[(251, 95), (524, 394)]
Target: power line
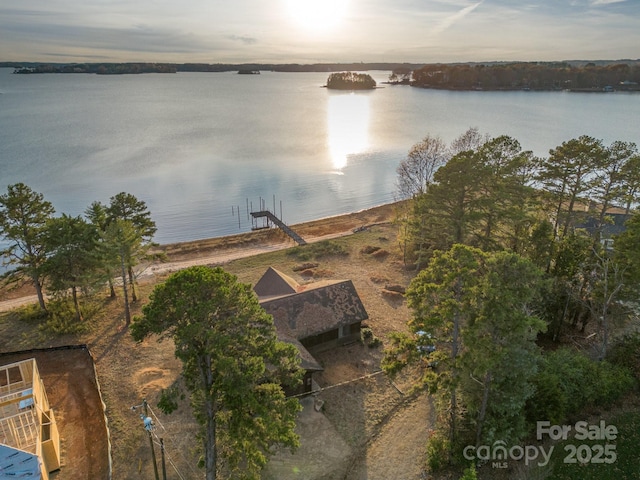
[(184, 459), (150, 427), (156, 417), (346, 382), (160, 443), (172, 463)]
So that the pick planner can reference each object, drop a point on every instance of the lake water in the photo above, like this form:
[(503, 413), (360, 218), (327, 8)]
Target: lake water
[(195, 146)]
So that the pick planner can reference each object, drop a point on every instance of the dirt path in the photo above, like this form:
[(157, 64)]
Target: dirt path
[(219, 256), (387, 455)]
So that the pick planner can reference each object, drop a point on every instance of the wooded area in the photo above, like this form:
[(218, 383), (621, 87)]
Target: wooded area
[(529, 76), (514, 253)]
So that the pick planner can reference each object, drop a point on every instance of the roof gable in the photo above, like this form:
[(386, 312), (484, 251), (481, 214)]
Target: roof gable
[(274, 284), (315, 309)]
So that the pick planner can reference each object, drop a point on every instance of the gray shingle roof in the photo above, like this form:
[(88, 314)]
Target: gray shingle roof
[(303, 311), (275, 283)]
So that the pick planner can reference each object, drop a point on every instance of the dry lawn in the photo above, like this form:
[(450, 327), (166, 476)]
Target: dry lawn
[(359, 426)]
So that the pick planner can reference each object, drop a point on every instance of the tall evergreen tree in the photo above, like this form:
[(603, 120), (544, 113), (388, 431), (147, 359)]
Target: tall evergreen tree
[(482, 197), (23, 219), (96, 213), (567, 174), (440, 298), (121, 242), (610, 187), (475, 308), (504, 202), (73, 261), (448, 213), (126, 207), (233, 365), (501, 353), (631, 176), (627, 256)]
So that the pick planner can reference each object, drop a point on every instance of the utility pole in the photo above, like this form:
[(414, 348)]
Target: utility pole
[(164, 466), (148, 426)]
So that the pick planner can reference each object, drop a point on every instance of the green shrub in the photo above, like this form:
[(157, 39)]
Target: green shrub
[(438, 452), (366, 334), (470, 473), (170, 399), (368, 338), (549, 401), (626, 465), (626, 353), (61, 318), (31, 313), (567, 381)]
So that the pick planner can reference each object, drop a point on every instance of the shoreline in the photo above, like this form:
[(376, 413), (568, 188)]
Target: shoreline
[(311, 231), (224, 249)]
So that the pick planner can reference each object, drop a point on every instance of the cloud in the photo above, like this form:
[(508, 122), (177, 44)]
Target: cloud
[(456, 17), (247, 31), (596, 3), (243, 39)]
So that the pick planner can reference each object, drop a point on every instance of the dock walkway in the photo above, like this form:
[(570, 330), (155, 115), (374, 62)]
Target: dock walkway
[(272, 218)]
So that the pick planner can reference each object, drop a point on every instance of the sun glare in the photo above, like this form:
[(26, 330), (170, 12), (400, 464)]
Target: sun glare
[(316, 15), (348, 117)]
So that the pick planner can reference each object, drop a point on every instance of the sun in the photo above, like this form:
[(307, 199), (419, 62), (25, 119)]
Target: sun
[(316, 15)]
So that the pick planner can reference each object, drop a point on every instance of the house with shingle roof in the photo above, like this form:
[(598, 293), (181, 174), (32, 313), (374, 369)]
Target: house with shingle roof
[(313, 317)]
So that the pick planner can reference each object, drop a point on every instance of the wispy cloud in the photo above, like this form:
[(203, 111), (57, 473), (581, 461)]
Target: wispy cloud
[(247, 31), (450, 20), (243, 39), (594, 3)]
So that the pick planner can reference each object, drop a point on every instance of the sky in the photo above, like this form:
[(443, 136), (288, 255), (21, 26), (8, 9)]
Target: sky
[(318, 31)]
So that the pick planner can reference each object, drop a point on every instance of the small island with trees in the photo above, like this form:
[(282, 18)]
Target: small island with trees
[(350, 81)]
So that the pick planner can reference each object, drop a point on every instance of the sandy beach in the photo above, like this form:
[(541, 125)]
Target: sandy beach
[(221, 250)]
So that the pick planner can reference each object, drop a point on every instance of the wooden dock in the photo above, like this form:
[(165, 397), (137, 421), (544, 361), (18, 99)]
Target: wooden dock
[(272, 218)]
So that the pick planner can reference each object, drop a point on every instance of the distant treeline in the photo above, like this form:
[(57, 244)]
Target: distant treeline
[(569, 75), (132, 68), (530, 76), (98, 68)]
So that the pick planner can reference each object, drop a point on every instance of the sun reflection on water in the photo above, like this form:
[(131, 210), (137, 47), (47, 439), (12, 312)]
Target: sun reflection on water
[(348, 126)]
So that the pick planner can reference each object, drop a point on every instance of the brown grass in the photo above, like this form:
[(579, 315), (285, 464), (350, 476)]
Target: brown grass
[(363, 412)]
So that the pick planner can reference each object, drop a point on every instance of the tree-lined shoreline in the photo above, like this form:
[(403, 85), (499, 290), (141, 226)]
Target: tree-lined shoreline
[(581, 76)]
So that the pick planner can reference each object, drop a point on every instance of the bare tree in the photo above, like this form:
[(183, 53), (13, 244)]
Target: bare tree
[(469, 140), (415, 173)]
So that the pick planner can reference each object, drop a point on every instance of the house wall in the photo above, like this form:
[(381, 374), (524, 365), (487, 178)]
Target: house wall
[(333, 338)]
